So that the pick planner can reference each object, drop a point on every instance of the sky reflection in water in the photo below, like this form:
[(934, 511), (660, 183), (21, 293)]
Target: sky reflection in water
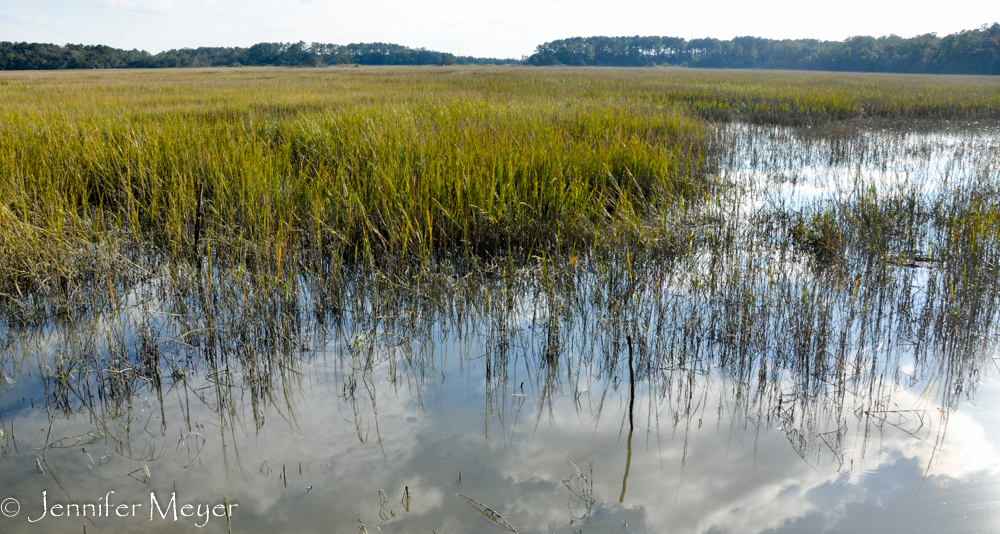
[(718, 470)]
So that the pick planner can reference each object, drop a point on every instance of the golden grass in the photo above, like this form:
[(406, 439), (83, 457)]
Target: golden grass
[(276, 169)]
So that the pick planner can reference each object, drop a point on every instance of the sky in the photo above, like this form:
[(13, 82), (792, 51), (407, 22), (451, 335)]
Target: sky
[(485, 28)]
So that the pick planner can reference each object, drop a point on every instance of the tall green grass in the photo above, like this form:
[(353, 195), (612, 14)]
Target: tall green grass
[(290, 170), (276, 169), (240, 195)]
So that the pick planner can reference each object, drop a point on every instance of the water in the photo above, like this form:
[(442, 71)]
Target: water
[(770, 395)]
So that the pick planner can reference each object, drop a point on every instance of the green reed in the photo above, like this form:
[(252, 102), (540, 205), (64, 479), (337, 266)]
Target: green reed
[(324, 167), (280, 171)]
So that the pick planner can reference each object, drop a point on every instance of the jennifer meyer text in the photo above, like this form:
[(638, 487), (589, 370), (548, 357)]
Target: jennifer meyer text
[(159, 509)]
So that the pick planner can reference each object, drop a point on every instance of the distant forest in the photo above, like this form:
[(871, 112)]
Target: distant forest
[(967, 52), (36, 56)]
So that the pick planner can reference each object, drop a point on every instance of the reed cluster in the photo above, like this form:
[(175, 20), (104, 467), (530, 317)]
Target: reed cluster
[(272, 216), (285, 171), (276, 169)]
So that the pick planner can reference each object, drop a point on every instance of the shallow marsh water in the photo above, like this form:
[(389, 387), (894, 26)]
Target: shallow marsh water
[(772, 393)]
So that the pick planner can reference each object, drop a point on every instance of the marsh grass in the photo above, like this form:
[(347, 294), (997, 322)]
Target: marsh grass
[(280, 172), (215, 232), (913, 223), (307, 173)]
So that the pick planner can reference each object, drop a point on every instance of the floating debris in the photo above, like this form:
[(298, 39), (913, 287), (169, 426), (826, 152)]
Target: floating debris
[(385, 511), (490, 513)]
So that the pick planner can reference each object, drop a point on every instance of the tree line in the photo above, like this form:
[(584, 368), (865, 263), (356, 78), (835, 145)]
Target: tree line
[(39, 56), (966, 52)]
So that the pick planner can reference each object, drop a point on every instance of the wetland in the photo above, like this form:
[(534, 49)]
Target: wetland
[(498, 298)]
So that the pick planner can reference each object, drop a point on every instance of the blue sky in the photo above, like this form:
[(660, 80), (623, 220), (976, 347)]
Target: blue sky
[(485, 28)]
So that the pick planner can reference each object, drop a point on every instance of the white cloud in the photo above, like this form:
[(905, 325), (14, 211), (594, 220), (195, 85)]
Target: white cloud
[(164, 7)]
